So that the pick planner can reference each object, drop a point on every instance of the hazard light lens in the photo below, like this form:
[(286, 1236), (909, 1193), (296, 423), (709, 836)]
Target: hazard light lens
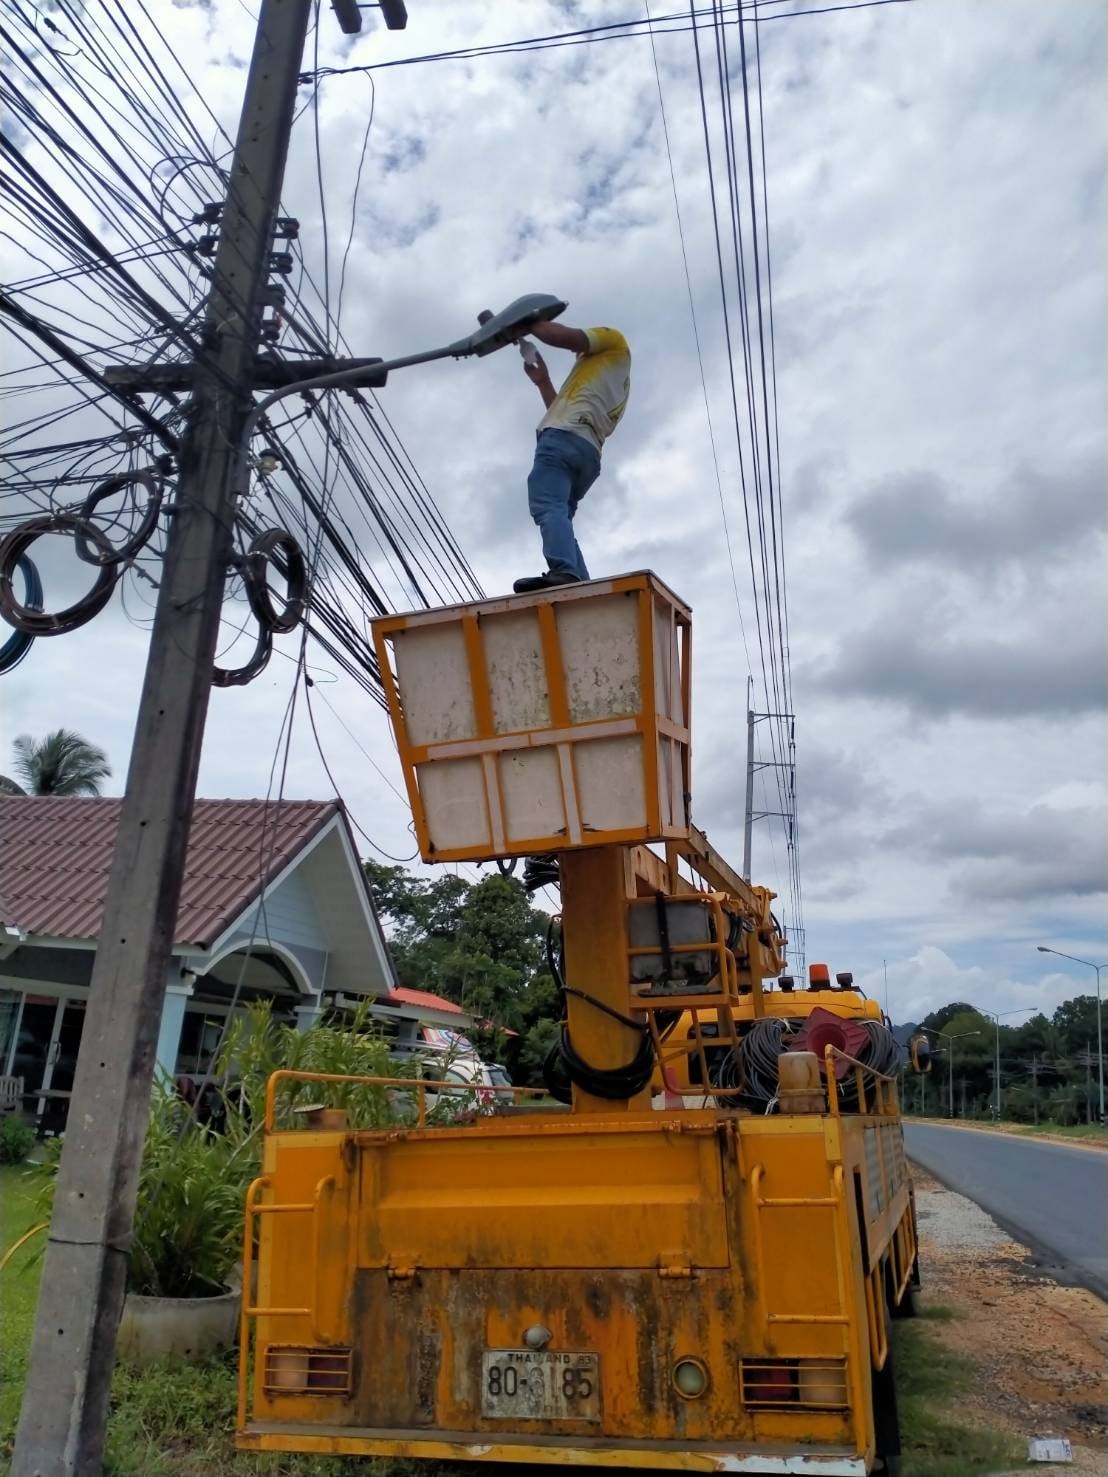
[(690, 1378)]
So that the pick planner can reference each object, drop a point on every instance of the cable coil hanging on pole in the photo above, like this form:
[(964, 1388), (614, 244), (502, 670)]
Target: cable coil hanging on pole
[(19, 643)]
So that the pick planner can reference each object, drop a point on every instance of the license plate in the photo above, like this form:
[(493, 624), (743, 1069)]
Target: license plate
[(542, 1385)]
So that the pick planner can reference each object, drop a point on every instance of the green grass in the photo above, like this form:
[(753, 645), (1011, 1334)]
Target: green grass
[(929, 1379), (18, 1291), (1094, 1132)]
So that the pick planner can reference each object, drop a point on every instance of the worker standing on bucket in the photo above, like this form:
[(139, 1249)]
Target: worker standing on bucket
[(579, 418)]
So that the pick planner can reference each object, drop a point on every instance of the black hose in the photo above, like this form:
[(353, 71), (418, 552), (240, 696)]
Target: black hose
[(564, 1064), (19, 643)]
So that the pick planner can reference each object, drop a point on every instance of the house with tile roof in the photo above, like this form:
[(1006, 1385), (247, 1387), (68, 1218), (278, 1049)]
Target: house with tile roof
[(275, 906)]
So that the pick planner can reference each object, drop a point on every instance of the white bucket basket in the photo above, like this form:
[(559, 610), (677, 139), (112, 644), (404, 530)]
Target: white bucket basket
[(545, 721)]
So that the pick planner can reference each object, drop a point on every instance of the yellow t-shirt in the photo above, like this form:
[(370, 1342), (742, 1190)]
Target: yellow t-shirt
[(595, 393)]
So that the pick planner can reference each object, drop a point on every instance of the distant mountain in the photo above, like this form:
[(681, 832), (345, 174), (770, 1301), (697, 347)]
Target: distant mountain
[(905, 1032)]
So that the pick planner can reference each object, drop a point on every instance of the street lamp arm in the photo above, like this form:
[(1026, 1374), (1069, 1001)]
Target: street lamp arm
[(495, 332), (1043, 949)]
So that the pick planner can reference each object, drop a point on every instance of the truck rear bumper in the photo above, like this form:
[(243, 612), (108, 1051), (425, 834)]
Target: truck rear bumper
[(766, 1461)]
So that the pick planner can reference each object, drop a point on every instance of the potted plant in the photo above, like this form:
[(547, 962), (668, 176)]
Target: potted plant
[(182, 1284)]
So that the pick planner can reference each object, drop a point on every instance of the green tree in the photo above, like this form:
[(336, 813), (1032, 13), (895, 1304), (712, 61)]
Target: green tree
[(478, 944), (939, 1020), (62, 763), (1075, 1022)]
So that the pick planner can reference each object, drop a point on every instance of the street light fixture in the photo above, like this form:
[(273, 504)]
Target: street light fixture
[(1043, 949), (957, 1036), (494, 332), (996, 1019)]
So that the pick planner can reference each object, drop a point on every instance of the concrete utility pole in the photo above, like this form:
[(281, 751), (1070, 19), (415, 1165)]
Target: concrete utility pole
[(65, 1403), (1035, 1087)]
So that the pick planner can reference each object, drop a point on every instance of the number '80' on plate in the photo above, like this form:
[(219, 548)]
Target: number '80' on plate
[(540, 1385)]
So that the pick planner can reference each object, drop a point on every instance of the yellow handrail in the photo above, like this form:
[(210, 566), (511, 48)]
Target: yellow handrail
[(830, 1053), (420, 1085), (878, 1334)]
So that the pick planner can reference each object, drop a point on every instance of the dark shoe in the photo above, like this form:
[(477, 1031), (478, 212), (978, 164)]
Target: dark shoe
[(548, 581)]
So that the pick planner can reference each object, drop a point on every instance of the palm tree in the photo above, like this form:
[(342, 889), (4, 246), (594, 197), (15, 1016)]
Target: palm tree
[(63, 763)]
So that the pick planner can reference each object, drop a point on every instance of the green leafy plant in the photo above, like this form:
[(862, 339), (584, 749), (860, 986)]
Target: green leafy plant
[(189, 1213), (256, 1046), (16, 1141)]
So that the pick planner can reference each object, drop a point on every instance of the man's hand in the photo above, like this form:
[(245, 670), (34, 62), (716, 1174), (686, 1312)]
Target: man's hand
[(539, 376), (538, 371)]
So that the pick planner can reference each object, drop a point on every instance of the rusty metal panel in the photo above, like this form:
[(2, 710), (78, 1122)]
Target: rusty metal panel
[(559, 1199), (438, 1325)]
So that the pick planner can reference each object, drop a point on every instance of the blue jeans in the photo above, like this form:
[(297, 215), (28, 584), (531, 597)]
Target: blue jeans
[(566, 466)]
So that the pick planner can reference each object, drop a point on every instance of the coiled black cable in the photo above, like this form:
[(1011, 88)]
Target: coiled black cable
[(36, 621), (282, 548), (19, 643), (270, 542), (881, 1053), (139, 538), (752, 1065), (240, 676), (541, 871)]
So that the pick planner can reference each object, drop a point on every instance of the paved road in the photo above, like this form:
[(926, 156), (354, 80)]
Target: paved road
[(1049, 1195)]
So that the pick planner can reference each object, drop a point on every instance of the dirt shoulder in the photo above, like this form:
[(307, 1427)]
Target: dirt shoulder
[(1041, 1349)]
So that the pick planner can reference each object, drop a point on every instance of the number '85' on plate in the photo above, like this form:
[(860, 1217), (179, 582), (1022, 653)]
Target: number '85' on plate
[(540, 1385)]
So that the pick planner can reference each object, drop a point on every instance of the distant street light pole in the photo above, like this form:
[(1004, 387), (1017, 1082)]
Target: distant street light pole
[(996, 1022), (1043, 949), (958, 1035)]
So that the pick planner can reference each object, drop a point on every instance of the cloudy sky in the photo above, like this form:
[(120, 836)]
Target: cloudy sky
[(936, 197)]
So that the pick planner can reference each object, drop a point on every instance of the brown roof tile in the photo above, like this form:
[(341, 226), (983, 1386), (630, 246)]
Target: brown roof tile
[(55, 853)]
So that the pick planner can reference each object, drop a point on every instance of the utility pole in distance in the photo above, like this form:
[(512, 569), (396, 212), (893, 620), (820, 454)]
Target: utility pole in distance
[(65, 1402)]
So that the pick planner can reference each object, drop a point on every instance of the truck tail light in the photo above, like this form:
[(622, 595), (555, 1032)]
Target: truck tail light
[(812, 1384), (303, 1370)]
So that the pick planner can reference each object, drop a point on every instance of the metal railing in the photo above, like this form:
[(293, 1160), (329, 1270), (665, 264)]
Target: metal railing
[(420, 1086), (885, 1101)]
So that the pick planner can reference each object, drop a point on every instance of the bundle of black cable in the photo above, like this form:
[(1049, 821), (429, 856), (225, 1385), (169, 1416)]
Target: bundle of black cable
[(753, 1065), (564, 1067)]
